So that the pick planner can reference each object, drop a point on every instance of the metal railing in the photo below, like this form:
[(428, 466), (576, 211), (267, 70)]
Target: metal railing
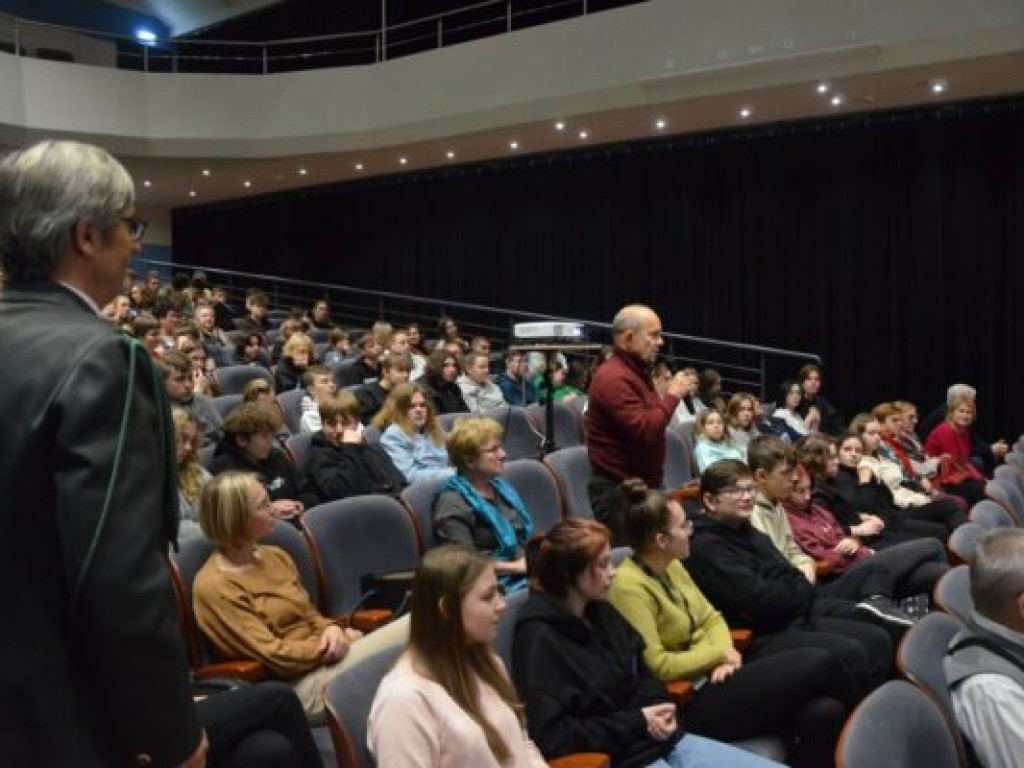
[(746, 367), (388, 41)]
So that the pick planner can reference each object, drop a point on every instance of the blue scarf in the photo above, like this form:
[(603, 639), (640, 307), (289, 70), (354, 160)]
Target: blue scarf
[(504, 531)]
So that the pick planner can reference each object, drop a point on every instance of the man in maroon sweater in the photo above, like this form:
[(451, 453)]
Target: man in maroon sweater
[(626, 418)]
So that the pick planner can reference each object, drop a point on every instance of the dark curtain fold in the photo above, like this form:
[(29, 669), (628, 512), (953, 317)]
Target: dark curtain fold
[(890, 244)]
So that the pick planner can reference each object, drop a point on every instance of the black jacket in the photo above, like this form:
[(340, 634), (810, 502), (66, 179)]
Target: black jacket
[(357, 373), (287, 377), (109, 681), (276, 473), (371, 397), (446, 395), (339, 471), (832, 422), (585, 682), (743, 574)]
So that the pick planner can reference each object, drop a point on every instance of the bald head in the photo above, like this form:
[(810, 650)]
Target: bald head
[(632, 318), (637, 331)]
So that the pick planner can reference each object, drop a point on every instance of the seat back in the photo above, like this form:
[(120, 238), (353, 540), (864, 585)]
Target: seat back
[(418, 499), (1007, 493), (964, 540), (578, 406), (520, 439), (225, 404), (538, 489), (357, 537), (189, 559), (291, 408), (571, 468), (988, 514), (289, 538), (297, 447), (349, 697), (1011, 474), (896, 726), (231, 379), (507, 625), (341, 371), (677, 470), (920, 656), (952, 592), (447, 420), (568, 431), (206, 456)]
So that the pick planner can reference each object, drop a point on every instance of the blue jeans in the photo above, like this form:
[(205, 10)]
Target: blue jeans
[(697, 752)]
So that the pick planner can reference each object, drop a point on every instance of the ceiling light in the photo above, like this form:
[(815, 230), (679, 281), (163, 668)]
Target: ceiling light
[(584, 135), (823, 87), (147, 183), (303, 171), (450, 154), (746, 112), (403, 160), (661, 124), (246, 183), (938, 85), (513, 145), (559, 126), (145, 36), (191, 193), (837, 100), (206, 171), (359, 166)]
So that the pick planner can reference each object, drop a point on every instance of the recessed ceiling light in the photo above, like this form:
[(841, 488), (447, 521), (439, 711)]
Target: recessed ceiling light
[(359, 166), (303, 171), (191, 193), (837, 100), (206, 171), (246, 183), (147, 183), (938, 85), (584, 135), (661, 124), (823, 87), (513, 145), (403, 160), (450, 154), (146, 36), (746, 112), (560, 126)]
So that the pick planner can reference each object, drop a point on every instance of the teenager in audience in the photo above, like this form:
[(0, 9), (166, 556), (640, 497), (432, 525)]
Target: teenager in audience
[(513, 382), (742, 572), (167, 312), (191, 474), (259, 391), (249, 600), (477, 507), (741, 418), (417, 349), (830, 420), (224, 315), (249, 351), (411, 435), (367, 366), (560, 388), (258, 305), (448, 700), (180, 380), (787, 414), (685, 638), (319, 381), (709, 389), (338, 347), (203, 367), (394, 370), (248, 445), (690, 405), (713, 440), (298, 353), (439, 381), (289, 327), (320, 316), (579, 665), (914, 503), (139, 300), (661, 375), (952, 439), (340, 462), (915, 565), (448, 331), (479, 392), (146, 329)]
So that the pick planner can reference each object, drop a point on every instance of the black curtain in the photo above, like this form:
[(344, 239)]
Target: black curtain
[(890, 244)]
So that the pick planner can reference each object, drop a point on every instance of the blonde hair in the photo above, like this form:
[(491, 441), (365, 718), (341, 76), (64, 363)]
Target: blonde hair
[(296, 343), (190, 471), (962, 400), (700, 425), (467, 437), (396, 411), (225, 507)]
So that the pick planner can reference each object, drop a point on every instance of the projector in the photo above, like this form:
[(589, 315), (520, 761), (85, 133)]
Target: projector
[(548, 332)]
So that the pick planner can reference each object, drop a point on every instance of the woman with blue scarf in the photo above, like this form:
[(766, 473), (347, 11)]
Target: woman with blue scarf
[(477, 507)]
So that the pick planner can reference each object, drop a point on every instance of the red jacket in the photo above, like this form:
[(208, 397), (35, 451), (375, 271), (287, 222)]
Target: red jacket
[(946, 438), (817, 532), (626, 421)]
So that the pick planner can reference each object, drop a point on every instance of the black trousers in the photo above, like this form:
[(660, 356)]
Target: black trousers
[(909, 568), (793, 694), (610, 506), (945, 511), (261, 726)]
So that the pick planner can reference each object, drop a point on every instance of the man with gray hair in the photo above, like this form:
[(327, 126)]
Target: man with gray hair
[(95, 668), (626, 417), (985, 662), (984, 455)]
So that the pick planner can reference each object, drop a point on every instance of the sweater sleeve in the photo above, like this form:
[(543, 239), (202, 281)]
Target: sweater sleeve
[(453, 520), (635, 418), (402, 731)]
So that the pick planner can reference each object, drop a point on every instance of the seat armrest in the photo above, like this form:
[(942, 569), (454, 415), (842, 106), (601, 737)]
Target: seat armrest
[(369, 619), (822, 568), (240, 669), (742, 638), (680, 691), (687, 492), (581, 760)]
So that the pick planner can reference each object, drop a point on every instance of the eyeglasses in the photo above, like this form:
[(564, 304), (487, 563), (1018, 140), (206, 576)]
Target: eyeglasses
[(738, 491), (136, 227)]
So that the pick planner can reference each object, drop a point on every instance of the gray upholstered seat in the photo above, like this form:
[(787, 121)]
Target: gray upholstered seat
[(571, 467)]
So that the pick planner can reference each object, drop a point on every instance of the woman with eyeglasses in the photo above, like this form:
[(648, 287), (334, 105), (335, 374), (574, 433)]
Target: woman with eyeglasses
[(476, 507), (411, 435), (685, 638)]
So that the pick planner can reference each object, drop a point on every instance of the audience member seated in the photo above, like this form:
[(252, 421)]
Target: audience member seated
[(481, 345), (479, 392), (381, 332), (139, 300), (192, 477), (338, 347), (320, 316), (319, 381), (914, 503), (515, 387), (249, 351), (367, 366), (741, 418), (258, 305), (448, 333), (788, 416), (180, 380), (287, 329), (745, 576), (146, 329), (476, 507), (685, 638), (984, 667), (417, 350), (167, 312), (249, 600), (855, 491), (411, 435), (830, 420), (224, 315), (259, 391), (902, 445), (214, 340), (340, 462), (915, 565), (985, 455), (398, 342), (951, 439), (439, 381), (298, 354), (116, 311), (661, 375), (248, 446), (709, 389), (560, 388), (579, 664), (202, 365), (448, 700), (691, 404), (394, 370), (713, 440)]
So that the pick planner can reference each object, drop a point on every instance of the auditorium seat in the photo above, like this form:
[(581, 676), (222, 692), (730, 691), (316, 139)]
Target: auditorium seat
[(418, 499), (231, 379), (224, 404), (297, 448), (964, 540), (677, 471), (1007, 494), (291, 409), (988, 514), (538, 489), (567, 426), (952, 592), (571, 468), (520, 440)]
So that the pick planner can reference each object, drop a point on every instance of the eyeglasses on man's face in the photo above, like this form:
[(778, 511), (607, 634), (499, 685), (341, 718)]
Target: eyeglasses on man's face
[(136, 226), (738, 491)]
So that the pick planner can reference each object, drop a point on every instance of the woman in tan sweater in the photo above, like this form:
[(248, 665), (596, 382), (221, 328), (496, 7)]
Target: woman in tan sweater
[(248, 598)]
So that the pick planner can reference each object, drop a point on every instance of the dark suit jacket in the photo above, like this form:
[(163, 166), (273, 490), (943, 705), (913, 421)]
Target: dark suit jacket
[(100, 678)]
